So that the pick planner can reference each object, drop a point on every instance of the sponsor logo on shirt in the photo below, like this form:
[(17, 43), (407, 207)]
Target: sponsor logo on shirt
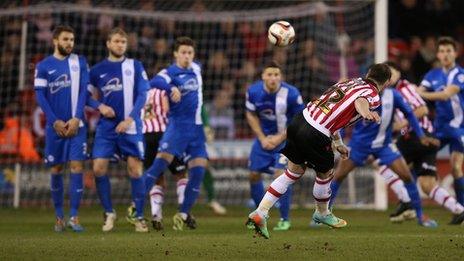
[(61, 82), (112, 85)]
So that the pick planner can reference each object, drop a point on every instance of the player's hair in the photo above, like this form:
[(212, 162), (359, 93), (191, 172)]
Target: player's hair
[(393, 65), (62, 28), (379, 72), (272, 64), (183, 40), (116, 30), (447, 40)]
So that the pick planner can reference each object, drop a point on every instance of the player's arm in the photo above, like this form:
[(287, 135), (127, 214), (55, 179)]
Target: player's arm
[(443, 95), (40, 87), (163, 81), (363, 108), (93, 97)]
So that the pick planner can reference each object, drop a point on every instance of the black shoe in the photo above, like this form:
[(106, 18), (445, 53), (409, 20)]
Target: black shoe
[(157, 225), (404, 211), (190, 222), (457, 219)]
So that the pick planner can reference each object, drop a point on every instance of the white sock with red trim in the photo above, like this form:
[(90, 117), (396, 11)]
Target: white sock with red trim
[(442, 197), (321, 194), (181, 184), (156, 201), (395, 183), (278, 187)]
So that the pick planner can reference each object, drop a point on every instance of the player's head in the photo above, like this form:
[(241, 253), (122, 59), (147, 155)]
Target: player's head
[(184, 51), (395, 72), (116, 42), (272, 76), (446, 51), (380, 73), (63, 39)]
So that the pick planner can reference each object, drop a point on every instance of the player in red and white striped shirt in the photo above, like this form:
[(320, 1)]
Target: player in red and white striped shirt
[(154, 116), (311, 135), (421, 157)]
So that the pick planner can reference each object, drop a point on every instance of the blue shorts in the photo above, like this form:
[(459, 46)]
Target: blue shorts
[(452, 136), (266, 161), (184, 141), (114, 145), (385, 155), (60, 150)]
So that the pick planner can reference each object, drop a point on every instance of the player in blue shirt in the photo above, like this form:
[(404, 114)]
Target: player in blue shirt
[(60, 85), (121, 83), (271, 104), (371, 138), (445, 86), (184, 134)]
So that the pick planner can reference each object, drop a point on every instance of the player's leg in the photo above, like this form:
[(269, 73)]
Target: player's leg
[(179, 170), (76, 188), (430, 186), (135, 170), (173, 143), (456, 160), (196, 168), (57, 191), (208, 185), (103, 185), (400, 167), (277, 188), (77, 156), (404, 210), (286, 199), (259, 161), (156, 202), (344, 167)]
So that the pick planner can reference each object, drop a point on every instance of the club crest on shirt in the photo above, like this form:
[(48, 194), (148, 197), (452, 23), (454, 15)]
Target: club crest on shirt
[(128, 72), (74, 68)]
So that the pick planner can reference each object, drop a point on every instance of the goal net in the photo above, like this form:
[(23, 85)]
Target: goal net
[(334, 40)]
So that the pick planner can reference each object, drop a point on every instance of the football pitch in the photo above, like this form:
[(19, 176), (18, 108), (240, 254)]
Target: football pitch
[(28, 234)]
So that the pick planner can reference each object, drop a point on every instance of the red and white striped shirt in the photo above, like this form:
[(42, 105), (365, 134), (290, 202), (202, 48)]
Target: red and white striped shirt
[(335, 109), (409, 93), (153, 116)]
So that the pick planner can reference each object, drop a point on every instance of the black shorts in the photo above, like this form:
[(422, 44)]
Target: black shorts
[(423, 158), (151, 148), (306, 145)]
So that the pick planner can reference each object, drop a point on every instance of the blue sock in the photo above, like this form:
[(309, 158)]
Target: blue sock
[(459, 189), (285, 202), (56, 187), (76, 187), (334, 187), (138, 194), (104, 192), (415, 198), (192, 190), (257, 191), (152, 174)]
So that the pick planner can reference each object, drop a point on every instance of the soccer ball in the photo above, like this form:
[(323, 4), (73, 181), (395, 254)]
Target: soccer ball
[(281, 33)]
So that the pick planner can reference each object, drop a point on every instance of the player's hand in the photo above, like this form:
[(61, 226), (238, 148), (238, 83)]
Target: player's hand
[(275, 140), (60, 128), (344, 151), (124, 125), (429, 141), (106, 111), (72, 127), (175, 94), (267, 144), (371, 116), (209, 133)]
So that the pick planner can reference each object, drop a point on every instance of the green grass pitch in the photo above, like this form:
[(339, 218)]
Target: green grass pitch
[(27, 234)]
